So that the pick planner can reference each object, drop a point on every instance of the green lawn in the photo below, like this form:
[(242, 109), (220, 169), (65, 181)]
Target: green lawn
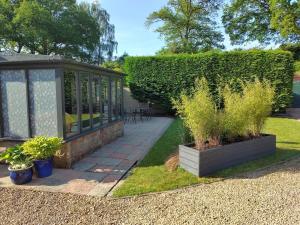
[(151, 175)]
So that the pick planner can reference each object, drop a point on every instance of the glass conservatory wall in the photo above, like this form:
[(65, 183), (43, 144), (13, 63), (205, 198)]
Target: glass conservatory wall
[(105, 99), (85, 101), (113, 99), (29, 110), (42, 101), (71, 106), (14, 104), (96, 100)]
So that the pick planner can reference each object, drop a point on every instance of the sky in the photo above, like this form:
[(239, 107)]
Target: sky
[(132, 35), (129, 18)]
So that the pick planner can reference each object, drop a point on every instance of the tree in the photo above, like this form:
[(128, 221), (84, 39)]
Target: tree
[(107, 43), (187, 26), (51, 27), (117, 64), (113, 65), (285, 17), (261, 20)]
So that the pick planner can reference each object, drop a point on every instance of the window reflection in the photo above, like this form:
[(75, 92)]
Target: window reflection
[(88, 94), (114, 110), (119, 98), (105, 96), (85, 101), (70, 89), (96, 95)]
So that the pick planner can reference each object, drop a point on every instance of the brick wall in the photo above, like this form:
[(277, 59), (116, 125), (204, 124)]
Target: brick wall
[(76, 149)]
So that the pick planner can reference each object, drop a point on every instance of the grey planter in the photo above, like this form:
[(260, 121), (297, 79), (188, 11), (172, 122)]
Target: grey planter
[(201, 163)]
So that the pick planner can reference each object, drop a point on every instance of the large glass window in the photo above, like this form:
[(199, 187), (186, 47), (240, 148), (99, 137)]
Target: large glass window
[(43, 105), (14, 103), (90, 101), (71, 105), (96, 98), (105, 99), (119, 98), (114, 110), (85, 101)]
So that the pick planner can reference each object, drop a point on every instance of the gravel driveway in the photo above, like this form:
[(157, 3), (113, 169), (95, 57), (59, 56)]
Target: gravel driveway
[(270, 196)]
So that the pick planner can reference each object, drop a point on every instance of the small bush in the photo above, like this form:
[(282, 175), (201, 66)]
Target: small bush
[(257, 102), (41, 148), (297, 67), (244, 114), (16, 158), (235, 114), (185, 134), (200, 115), (293, 48)]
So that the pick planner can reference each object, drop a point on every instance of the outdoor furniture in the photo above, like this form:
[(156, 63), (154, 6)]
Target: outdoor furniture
[(138, 113)]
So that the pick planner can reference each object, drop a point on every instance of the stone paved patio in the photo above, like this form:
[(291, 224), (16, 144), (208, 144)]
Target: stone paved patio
[(99, 172)]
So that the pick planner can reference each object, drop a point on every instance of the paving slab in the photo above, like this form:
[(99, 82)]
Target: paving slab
[(101, 169), (97, 173), (83, 166)]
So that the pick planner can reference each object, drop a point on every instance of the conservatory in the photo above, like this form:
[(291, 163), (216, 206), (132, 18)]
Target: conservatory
[(53, 96)]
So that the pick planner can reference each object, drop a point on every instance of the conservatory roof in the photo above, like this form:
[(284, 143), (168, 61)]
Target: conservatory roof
[(13, 60)]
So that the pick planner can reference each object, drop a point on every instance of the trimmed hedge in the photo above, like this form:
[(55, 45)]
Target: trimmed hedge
[(297, 66), (159, 78), (293, 48)]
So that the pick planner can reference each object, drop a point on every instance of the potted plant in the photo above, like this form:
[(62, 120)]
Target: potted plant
[(42, 149), (227, 136), (20, 165)]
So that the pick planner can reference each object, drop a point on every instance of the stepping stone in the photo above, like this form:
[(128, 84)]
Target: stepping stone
[(101, 169)]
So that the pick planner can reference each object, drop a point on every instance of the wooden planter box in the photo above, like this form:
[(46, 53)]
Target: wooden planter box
[(208, 161)]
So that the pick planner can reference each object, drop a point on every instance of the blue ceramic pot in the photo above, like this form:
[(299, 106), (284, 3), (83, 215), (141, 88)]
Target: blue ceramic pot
[(20, 176), (43, 168)]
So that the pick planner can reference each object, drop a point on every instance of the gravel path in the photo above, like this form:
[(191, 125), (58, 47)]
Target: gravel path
[(270, 196)]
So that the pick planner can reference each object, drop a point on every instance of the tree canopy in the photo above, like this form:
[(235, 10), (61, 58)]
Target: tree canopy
[(262, 20), (56, 27), (286, 17), (117, 64), (187, 26)]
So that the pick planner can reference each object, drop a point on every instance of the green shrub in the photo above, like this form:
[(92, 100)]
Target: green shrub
[(244, 114), (293, 48), (257, 102), (41, 148), (185, 134), (159, 78), (16, 158), (235, 114), (200, 115), (297, 66)]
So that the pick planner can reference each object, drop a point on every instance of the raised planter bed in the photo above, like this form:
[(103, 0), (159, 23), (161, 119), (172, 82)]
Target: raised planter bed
[(201, 163)]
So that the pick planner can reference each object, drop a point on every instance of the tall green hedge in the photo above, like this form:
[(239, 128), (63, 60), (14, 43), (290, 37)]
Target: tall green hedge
[(294, 48), (159, 78), (297, 66)]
